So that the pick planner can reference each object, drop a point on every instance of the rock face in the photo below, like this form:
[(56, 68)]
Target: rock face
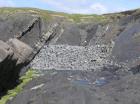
[(21, 50), (14, 55), (99, 61), (21, 39)]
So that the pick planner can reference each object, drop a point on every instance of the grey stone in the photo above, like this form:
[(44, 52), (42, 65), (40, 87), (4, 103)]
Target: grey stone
[(65, 57), (81, 87), (5, 51), (21, 50), (82, 51)]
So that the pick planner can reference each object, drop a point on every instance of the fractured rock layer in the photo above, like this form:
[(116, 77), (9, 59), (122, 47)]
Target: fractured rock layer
[(13, 55), (94, 47)]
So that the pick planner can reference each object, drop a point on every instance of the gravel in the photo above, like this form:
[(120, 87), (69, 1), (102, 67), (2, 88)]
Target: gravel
[(65, 57)]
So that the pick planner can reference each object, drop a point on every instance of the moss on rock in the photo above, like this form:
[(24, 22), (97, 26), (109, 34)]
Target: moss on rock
[(30, 74)]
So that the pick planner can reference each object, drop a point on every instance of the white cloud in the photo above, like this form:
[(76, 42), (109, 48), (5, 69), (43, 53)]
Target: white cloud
[(74, 6), (6, 3), (121, 9), (98, 8)]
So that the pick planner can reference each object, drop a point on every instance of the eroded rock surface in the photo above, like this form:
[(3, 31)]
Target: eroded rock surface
[(22, 36), (82, 87), (99, 61), (13, 56)]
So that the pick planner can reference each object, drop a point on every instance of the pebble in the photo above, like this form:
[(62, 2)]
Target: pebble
[(65, 57)]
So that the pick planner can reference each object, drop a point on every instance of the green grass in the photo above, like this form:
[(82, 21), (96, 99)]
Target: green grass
[(77, 18), (30, 74), (48, 15), (86, 18), (11, 11)]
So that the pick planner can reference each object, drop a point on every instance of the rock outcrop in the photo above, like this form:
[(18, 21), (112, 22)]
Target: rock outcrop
[(109, 86), (13, 55), (92, 61), (21, 39)]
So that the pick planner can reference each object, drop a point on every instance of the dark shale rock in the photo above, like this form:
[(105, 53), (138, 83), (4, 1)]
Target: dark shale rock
[(21, 39), (113, 45), (13, 55), (5, 51), (21, 51), (81, 87), (12, 24)]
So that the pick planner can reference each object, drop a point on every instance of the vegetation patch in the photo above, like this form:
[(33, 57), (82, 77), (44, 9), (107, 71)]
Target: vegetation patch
[(30, 74), (49, 15)]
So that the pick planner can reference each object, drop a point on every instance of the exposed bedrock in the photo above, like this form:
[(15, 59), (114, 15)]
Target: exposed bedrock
[(22, 36), (95, 58), (110, 86), (121, 34), (13, 56)]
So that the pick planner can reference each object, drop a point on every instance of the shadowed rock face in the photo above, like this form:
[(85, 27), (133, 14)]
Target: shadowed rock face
[(12, 24), (20, 34), (127, 44), (14, 55), (95, 59)]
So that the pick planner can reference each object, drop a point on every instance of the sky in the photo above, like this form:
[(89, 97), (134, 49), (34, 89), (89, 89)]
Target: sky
[(76, 6)]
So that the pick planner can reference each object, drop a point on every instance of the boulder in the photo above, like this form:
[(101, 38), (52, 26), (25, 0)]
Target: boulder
[(21, 50), (5, 51), (14, 54)]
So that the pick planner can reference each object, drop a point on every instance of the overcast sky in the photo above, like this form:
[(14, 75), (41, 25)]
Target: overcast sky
[(76, 6)]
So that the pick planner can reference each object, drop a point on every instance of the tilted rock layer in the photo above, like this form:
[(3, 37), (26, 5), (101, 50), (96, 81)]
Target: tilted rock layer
[(98, 56)]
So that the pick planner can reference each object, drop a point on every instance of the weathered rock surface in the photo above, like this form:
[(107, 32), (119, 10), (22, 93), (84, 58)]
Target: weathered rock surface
[(21, 50), (127, 42), (22, 37), (109, 86), (13, 56), (5, 51), (95, 58)]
